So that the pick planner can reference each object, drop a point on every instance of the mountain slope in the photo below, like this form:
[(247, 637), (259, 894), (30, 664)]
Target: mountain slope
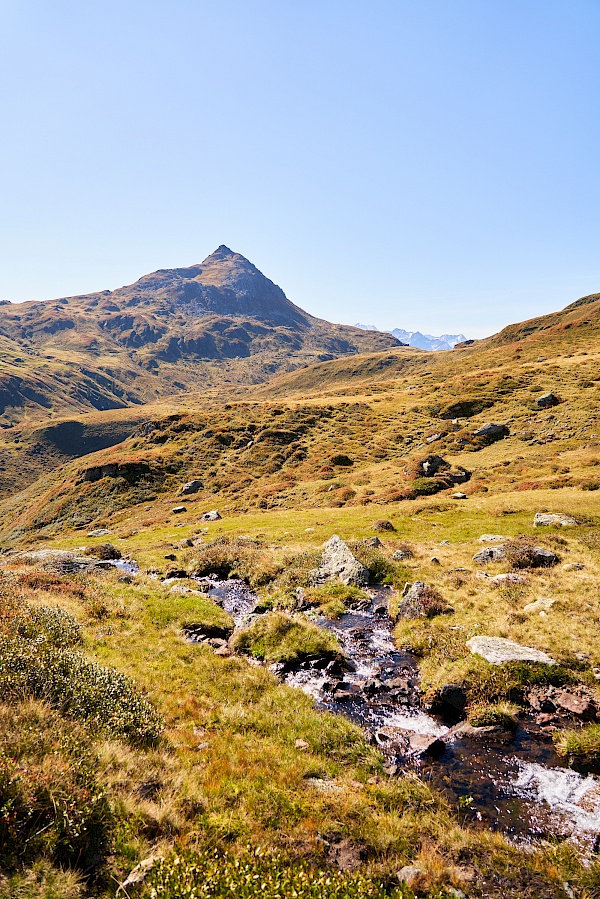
[(173, 330)]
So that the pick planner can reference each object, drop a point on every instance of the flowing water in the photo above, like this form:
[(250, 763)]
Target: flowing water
[(521, 788)]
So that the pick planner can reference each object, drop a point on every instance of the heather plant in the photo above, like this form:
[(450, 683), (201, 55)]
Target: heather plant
[(78, 687), (204, 874)]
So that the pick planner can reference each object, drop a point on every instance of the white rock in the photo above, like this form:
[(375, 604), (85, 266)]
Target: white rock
[(556, 519), (497, 651), (540, 605)]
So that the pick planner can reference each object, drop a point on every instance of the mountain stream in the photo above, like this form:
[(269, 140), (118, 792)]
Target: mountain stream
[(521, 787)]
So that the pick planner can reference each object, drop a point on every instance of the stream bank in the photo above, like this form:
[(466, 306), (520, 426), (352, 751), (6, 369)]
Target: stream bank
[(513, 783)]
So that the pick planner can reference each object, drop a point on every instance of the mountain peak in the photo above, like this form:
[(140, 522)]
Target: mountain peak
[(221, 254)]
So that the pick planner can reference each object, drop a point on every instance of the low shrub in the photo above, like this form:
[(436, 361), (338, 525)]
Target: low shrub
[(348, 595), (56, 625), (280, 637), (381, 569), (196, 875), (427, 487), (77, 687), (239, 557)]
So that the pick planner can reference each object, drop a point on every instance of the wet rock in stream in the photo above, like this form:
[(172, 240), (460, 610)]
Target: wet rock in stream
[(503, 780)]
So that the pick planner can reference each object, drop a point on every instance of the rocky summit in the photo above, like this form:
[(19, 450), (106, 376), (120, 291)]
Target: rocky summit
[(170, 331)]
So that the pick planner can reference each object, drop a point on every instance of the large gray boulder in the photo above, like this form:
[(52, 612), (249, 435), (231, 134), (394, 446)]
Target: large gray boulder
[(213, 515), (191, 487), (553, 519), (497, 651), (490, 554), (338, 562), (546, 401), (491, 430)]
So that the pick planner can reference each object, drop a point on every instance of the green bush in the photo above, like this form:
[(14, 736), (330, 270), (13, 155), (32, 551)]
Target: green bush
[(382, 570), (279, 637), (240, 557), (196, 875), (426, 487), (77, 687), (55, 624)]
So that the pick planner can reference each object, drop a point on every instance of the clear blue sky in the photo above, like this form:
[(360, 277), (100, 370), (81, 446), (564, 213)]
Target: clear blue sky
[(430, 164)]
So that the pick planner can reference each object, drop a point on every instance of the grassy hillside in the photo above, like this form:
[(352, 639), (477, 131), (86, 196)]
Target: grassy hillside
[(245, 765), (219, 323)]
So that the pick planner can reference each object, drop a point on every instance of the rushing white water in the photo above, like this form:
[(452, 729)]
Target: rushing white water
[(573, 798)]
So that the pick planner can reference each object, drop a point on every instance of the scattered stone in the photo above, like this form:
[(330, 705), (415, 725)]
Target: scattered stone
[(100, 532), (171, 557), (580, 706), (435, 561), (421, 601), (556, 519), (433, 437), (104, 551), (500, 580), (490, 554), (491, 430), (450, 703), (458, 496), (138, 874), (191, 487), (401, 554), (415, 878), (177, 510), (383, 525), (458, 894), (543, 558), (491, 538), (175, 573), (466, 731), (574, 566), (199, 633), (372, 541), (497, 651), (338, 562), (546, 401), (540, 605), (184, 590), (213, 515), (422, 745), (59, 560), (444, 543), (347, 855)]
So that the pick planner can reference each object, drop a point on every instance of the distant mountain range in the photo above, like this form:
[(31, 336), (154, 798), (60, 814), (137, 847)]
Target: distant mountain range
[(422, 341)]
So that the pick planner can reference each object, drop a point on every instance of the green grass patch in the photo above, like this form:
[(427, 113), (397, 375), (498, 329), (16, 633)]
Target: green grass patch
[(280, 637), (582, 744)]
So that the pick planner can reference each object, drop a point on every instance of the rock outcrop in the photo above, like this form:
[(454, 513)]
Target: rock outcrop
[(338, 562)]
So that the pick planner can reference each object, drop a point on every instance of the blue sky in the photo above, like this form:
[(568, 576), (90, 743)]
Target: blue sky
[(431, 165)]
